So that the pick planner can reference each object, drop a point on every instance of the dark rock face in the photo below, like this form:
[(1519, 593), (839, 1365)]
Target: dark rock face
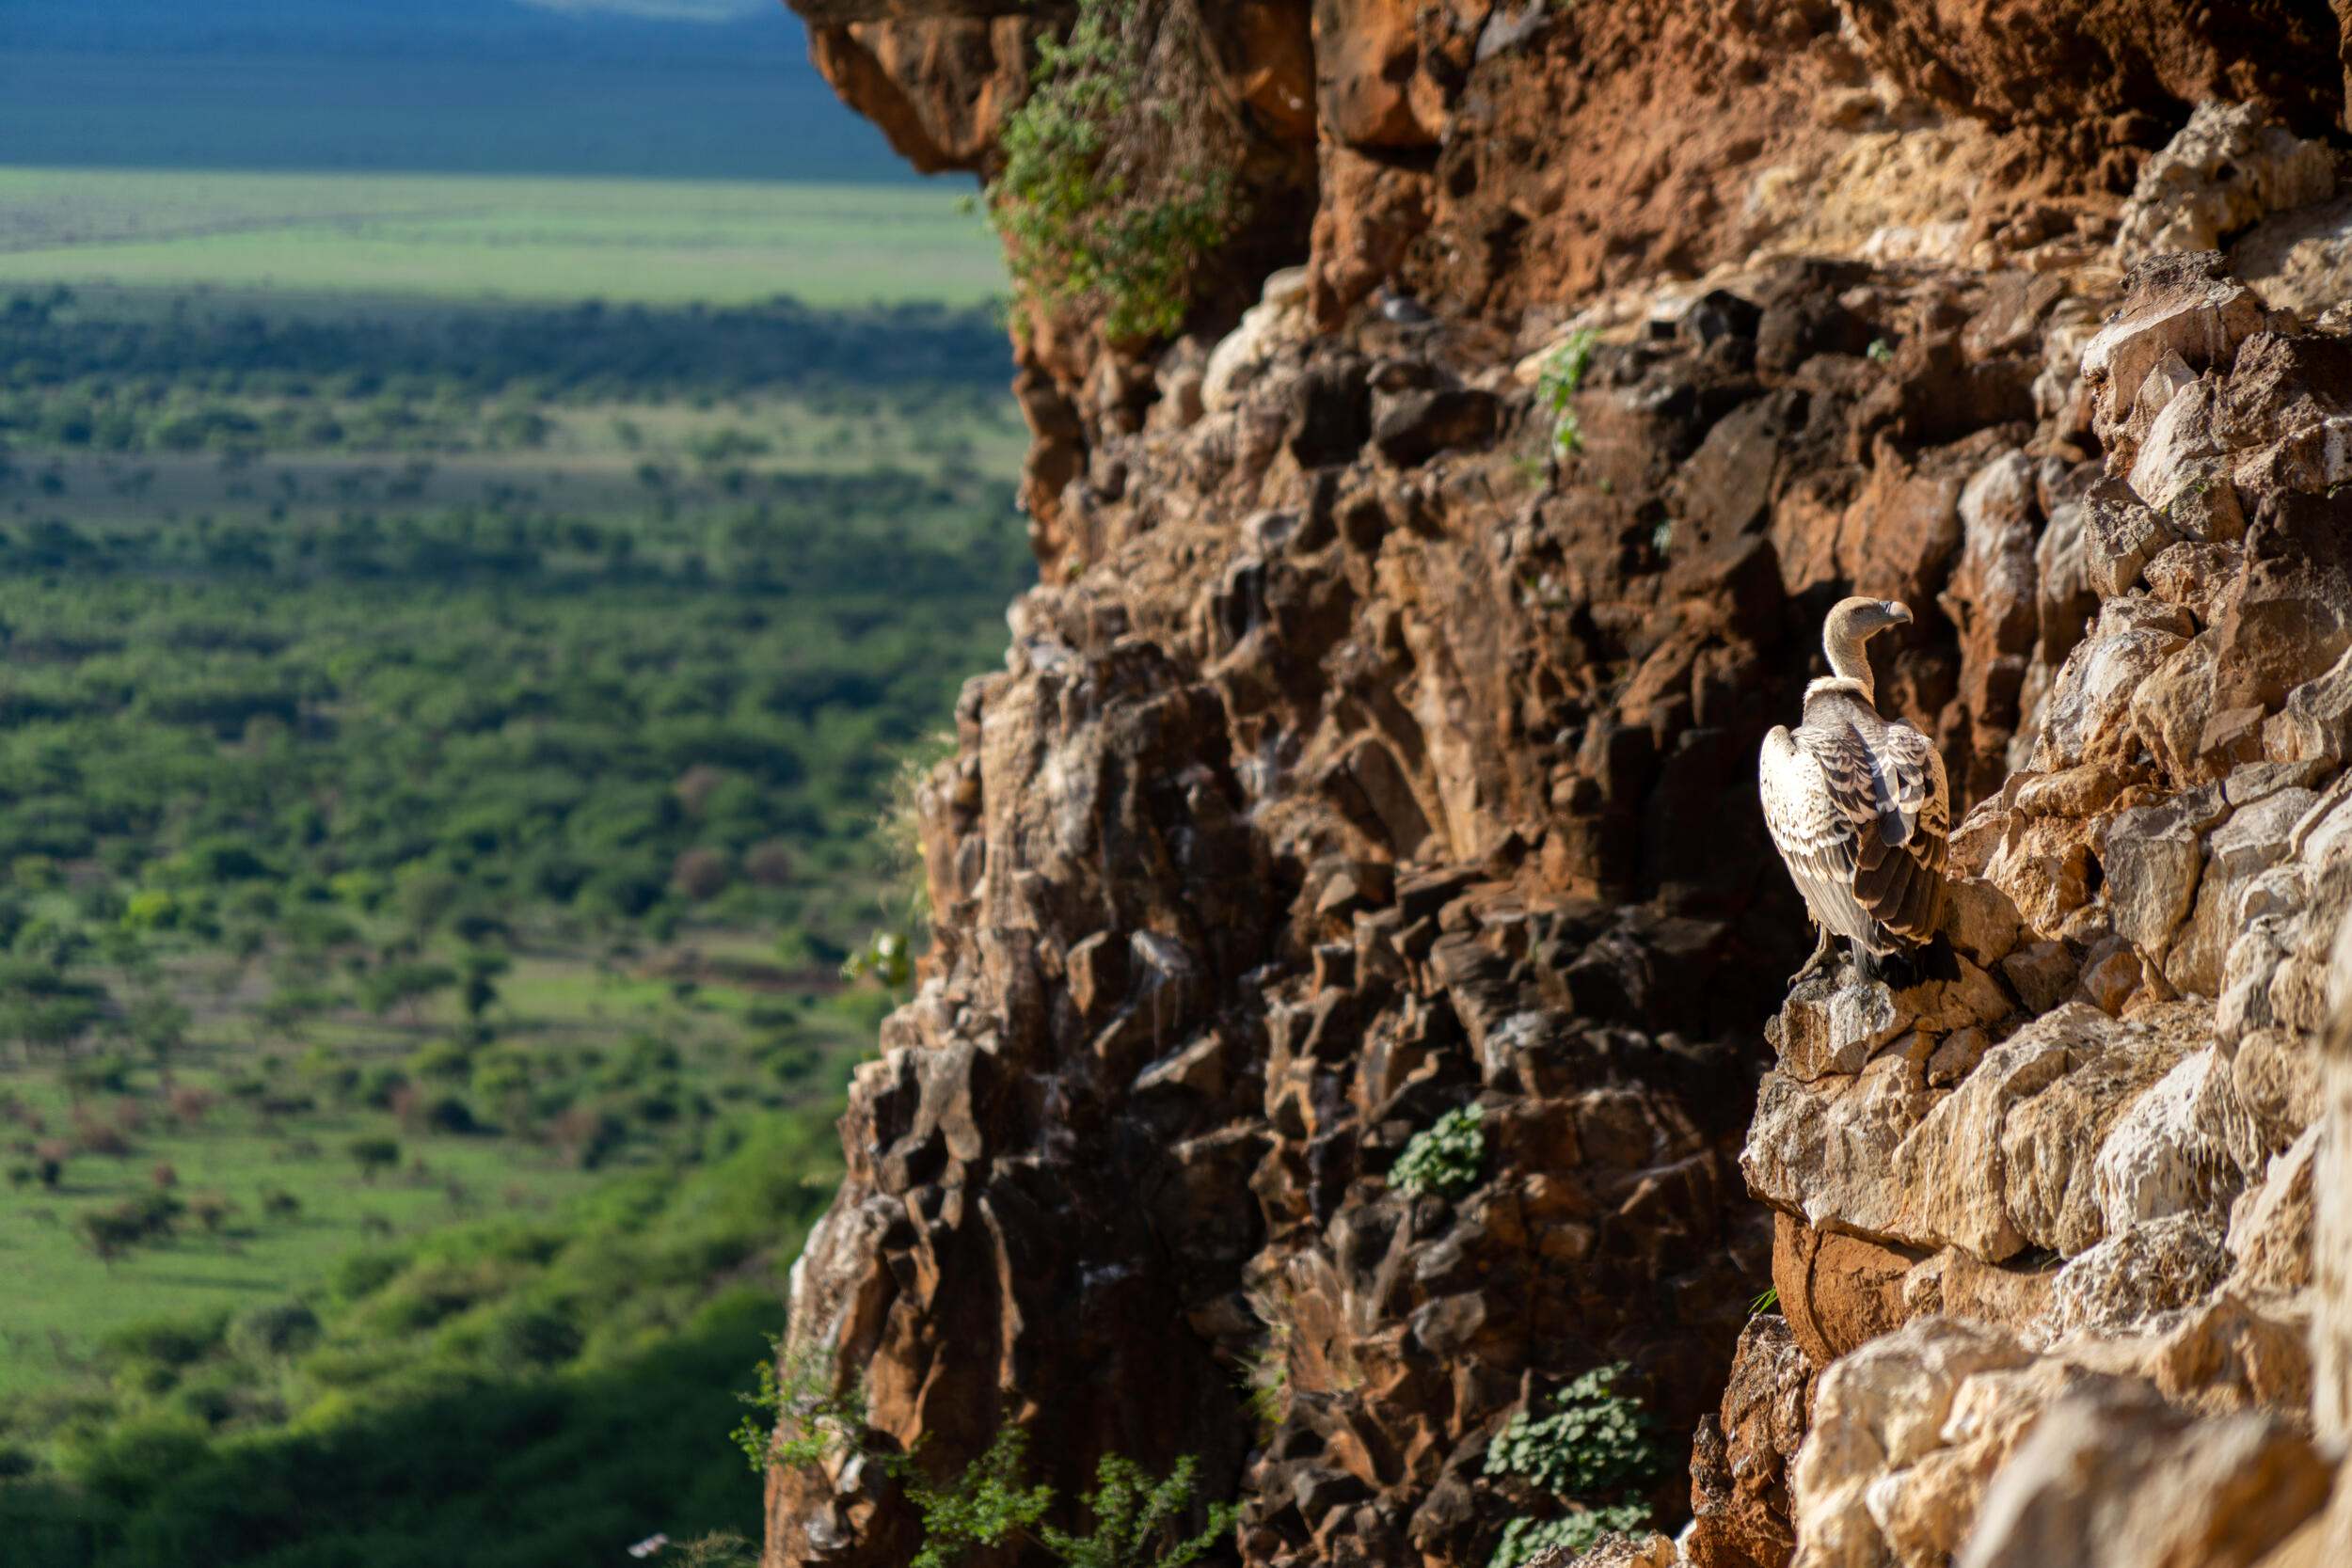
[(1338, 793), (1372, 752)]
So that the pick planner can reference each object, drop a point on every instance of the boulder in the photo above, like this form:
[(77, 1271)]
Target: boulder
[(2114, 1479)]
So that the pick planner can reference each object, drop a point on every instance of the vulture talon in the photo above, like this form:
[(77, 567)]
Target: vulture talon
[(1823, 951)]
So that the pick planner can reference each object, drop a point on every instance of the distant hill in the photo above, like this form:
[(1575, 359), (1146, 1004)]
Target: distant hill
[(671, 31), (672, 89)]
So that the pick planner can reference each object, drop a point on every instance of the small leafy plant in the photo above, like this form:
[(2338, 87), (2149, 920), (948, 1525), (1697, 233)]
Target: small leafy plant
[(1138, 1519), (798, 1422), (1594, 1449), (888, 960), (1444, 1157), (984, 1506), (1555, 388), (1524, 1539)]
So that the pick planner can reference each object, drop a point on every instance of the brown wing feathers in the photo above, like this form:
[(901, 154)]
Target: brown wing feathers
[(1873, 832)]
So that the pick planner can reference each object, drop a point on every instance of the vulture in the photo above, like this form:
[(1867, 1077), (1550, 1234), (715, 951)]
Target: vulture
[(1857, 804)]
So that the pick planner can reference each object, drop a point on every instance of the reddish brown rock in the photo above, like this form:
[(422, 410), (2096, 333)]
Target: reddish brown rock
[(1836, 1292), (1372, 752), (1739, 1463)]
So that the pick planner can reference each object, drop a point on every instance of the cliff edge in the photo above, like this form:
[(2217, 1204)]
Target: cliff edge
[(1356, 1012)]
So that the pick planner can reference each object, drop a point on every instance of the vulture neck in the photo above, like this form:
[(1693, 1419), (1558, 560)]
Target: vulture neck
[(1848, 670)]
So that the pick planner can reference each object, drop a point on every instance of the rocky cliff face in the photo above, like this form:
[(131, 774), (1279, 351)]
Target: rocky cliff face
[(1370, 754)]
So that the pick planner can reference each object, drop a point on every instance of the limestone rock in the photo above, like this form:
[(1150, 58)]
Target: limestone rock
[(2156, 1266), (2225, 169), (2153, 856), (1877, 1415), (2085, 1488), (2177, 307)]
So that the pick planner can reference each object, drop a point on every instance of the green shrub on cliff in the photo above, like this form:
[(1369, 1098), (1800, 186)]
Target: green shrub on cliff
[(797, 1420), (1102, 205), (1594, 1451), (1444, 1157), (1139, 1520)]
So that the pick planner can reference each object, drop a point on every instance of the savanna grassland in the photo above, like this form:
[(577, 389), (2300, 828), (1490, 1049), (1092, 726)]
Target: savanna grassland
[(454, 236), (446, 780)]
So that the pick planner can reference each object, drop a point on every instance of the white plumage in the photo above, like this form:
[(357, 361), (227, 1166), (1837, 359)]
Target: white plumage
[(1857, 804)]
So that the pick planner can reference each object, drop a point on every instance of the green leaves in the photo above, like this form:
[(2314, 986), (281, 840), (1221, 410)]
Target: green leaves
[(1097, 212), (1137, 1518), (797, 1421), (1594, 1447), (1555, 388), (1524, 1539), (1444, 1157), (984, 1507), (1134, 1514), (1594, 1440)]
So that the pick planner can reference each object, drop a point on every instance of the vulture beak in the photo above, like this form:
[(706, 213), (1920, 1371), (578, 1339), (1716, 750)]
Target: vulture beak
[(1897, 613)]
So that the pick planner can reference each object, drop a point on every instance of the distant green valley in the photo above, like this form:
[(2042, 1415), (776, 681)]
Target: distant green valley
[(448, 791)]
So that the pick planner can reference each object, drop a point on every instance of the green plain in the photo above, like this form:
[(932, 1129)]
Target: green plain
[(476, 237)]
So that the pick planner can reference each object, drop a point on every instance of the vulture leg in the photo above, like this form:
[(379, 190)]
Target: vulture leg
[(1822, 951)]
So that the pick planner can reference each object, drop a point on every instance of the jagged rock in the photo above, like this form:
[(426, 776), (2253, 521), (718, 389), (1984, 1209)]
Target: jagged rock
[(1353, 768), (1954, 1285), (2253, 840), (1279, 317), (2194, 576), (2122, 533), (2316, 722), (2300, 260), (2153, 855), (2270, 1224), (1411, 427), (2167, 1155), (2042, 972), (2084, 718), (1831, 1028), (1877, 1415), (1825, 1153), (1739, 1473), (2178, 309)]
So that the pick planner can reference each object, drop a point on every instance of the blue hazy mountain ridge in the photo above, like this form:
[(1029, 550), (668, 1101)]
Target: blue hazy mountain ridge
[(651, 88), (669, 31)]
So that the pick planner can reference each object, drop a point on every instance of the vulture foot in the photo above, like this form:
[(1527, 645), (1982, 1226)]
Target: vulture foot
[(1823, 951)]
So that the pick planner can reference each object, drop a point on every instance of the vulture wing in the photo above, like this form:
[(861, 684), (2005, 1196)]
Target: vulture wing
[(1859, 812), (1900, 878)]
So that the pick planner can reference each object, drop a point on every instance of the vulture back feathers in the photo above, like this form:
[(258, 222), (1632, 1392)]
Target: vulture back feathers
[(1857, 804)]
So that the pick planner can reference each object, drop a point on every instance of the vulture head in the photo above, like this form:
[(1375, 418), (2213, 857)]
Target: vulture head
[(1849, 626)]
